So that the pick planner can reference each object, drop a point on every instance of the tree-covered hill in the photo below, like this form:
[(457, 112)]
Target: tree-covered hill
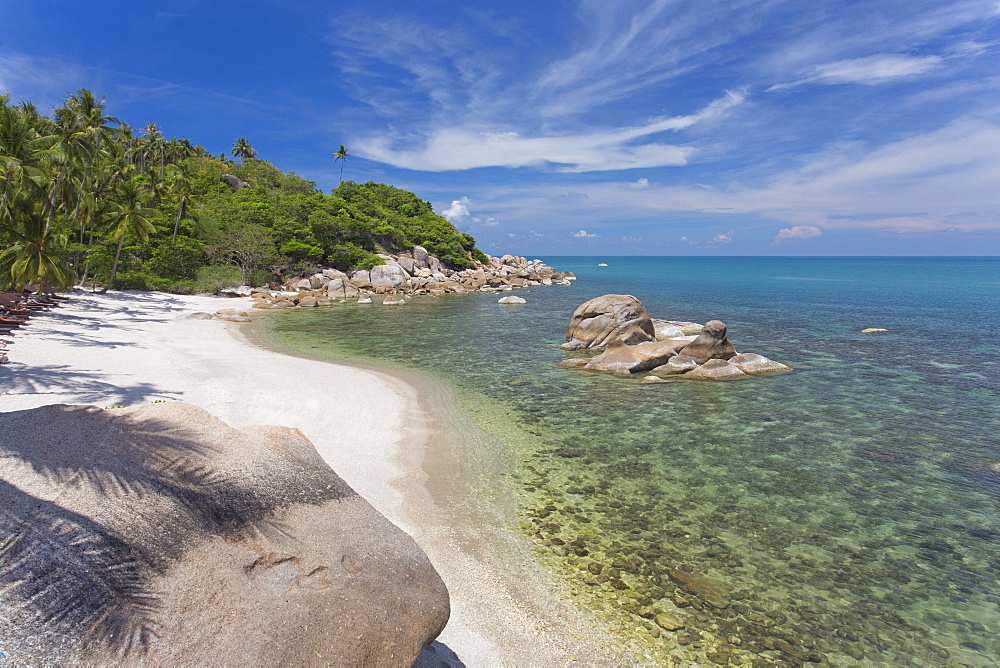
[(88, 198)]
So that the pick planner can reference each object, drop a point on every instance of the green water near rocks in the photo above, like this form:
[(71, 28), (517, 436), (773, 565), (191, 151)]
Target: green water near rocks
[(845, 513)]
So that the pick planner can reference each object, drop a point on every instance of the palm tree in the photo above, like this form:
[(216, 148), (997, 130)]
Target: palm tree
[(25, 155), (243, 150), (36, 254), (341, 155), (128, 216), (179, 180)]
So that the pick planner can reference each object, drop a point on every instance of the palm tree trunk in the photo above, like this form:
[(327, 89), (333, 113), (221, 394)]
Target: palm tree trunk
[(86, 264), (177, 221), (54, 196), (114, 265)]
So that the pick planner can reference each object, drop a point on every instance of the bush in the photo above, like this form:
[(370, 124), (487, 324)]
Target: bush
[(217, 277), (132, 280)]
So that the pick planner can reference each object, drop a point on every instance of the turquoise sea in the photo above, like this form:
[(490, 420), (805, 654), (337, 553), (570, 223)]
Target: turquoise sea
[(846, 512)]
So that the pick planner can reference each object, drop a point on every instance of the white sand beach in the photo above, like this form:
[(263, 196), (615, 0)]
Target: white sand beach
[(372, 428)]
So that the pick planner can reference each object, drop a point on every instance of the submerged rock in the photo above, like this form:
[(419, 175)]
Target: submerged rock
[(712, 343), (573, 363), (598, 322), (711, 591), (159, 535), (668, 622), (511, 299)]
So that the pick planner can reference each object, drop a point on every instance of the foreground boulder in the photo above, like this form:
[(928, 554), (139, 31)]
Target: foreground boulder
[(160, 535), (607, 318), (711, 344)]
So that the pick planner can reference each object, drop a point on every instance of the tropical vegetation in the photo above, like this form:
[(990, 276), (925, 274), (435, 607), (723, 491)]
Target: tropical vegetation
[(86, 198)]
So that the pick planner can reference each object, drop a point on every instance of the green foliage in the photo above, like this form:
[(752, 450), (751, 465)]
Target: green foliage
[(215, 277), (179, 260), (85, 195)]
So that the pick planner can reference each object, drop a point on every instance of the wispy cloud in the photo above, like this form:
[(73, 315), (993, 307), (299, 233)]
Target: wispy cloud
[(584, 234), (868, 70), (455, 148), (943, 179)]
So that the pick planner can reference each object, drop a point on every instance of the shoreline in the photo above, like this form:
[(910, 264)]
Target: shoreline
[(396, 438)]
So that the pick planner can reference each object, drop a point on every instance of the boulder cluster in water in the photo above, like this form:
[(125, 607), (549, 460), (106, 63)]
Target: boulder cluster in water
[(417, 272), (635, 343)]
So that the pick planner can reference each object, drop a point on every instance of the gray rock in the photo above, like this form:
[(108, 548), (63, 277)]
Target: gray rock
[(340, 288), (512, 299), (716, 370), (388, 275), (753, 363), (632, 359), (712, 343), (608, 318), (159, 535), (408, 264), (676, 365), (420, 257), (573, 363), (361, 278)]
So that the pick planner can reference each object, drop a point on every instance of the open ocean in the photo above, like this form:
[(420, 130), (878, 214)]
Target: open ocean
[(849, 509)]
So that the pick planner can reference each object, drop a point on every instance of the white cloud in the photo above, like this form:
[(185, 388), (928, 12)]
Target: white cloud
[(724, 238), (457, 147), (684, 238), (631, 238), (458, 211), (583, 234), (867, 70), (798, 232), (641, 184), (929, 181), (875, 69)]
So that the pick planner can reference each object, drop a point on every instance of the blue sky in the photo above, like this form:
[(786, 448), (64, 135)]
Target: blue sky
[(576, 127)]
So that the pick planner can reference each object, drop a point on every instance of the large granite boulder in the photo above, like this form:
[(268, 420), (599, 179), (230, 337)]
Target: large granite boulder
[(712, 343), (341, 288), (159, 535), (420, 257), (620, 358), (609, 318), (388, 275)]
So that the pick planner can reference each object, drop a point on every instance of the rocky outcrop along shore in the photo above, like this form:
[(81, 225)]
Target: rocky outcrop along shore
[(417, 272)]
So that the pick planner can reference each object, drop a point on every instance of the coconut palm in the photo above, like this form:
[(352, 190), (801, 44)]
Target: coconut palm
[(341, 155), (128, 216), (35, 254), (25, 155), (243, 150), (180, 184)]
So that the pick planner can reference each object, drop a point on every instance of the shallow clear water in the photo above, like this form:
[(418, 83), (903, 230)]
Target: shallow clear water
[(846, 511)]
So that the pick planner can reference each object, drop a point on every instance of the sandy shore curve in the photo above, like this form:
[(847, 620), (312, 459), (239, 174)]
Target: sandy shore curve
[(376, 430)]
